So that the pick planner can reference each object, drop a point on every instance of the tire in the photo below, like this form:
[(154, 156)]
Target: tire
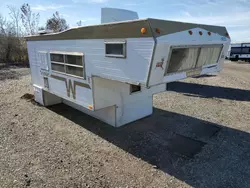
[(236, 58)]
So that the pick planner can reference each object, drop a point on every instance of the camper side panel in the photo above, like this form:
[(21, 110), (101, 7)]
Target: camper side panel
[(130, 106), (72, 88), (133, 68), (36, 78)]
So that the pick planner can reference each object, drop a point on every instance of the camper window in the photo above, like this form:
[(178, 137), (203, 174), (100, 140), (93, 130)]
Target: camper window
[(115, 49), (69, 64), (57, 58), (57, 67), (74, 60), (76, 71)]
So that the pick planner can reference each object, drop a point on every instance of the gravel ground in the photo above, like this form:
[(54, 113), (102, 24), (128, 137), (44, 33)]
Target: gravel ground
[(198, 136)]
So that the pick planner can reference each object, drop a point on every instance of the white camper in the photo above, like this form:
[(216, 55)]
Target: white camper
[(111, 71)]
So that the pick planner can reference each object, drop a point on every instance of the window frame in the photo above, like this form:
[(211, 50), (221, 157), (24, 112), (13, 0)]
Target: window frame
[(69, 65), (124, 50), (190, 46)]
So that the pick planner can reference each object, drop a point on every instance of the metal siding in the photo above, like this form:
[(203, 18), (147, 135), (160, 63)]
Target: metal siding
[(107, 115), (108, 92), (135, 110), (180, 39), (39, 60), (133, 68), (83, 96), (130, 107)]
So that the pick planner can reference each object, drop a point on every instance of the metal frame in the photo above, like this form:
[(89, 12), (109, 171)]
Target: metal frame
[(67, 64), (124, 44)]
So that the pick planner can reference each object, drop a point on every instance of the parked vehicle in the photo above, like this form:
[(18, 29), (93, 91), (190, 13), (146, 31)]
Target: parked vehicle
[(240, 51)]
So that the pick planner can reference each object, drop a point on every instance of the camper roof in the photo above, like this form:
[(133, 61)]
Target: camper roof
[(126, 29)]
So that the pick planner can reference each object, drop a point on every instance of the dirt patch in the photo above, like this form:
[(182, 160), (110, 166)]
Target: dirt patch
[(197, 136), (28, 97)]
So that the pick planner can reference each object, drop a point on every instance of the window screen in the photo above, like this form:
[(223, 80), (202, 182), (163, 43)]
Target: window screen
[(57, 57), (184, 59), (57, 67), (77, 71), (68, 64), (74, 60), (208, 55), (115, 49)]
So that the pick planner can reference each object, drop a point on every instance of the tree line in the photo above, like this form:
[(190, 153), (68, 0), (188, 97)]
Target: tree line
[(20, 23)]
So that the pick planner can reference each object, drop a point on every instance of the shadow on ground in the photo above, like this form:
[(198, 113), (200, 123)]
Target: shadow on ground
[(198, 152), (205, 76), (207, 91)]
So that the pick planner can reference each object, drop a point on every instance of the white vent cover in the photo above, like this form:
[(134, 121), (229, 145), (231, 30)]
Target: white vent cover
[(116, 15)]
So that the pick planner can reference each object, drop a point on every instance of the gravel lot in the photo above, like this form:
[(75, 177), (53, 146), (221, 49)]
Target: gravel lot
[(198, 136)]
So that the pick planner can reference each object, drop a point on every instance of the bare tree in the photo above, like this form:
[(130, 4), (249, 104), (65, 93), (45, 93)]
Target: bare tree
[(79, 23), (12, 48), (7, 34), (2, 25), (56, 23), (41, 28), (30, 20), (16, 17)]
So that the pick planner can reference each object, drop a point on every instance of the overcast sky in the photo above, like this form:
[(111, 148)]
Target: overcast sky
[(234, 14)]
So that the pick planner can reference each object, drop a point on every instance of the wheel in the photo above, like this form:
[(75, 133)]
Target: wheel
[(236, 58)]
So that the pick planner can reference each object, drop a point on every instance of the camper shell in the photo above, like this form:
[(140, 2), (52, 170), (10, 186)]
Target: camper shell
[(112, 70)]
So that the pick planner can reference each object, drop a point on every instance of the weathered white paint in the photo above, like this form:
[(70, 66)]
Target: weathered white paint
[(106, 115), (109, 98), (163, 48), (50, 99), (84, 96), (132, 69), (38, 94), (130, 106)]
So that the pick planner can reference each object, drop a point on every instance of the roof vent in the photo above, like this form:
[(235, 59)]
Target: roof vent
[(116, 15)]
